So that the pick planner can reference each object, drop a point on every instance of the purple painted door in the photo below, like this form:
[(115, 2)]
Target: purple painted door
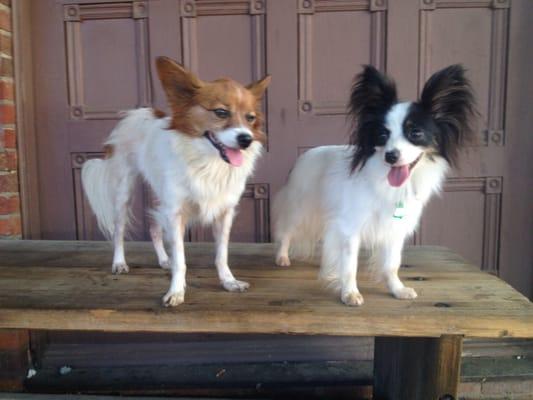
[(94, 58)]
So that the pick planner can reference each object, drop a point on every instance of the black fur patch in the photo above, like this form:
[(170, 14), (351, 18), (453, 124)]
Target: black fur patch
[(449, 99), (373, 94), (419, 128)]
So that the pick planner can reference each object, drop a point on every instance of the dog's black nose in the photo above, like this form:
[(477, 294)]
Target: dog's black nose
[(244, 140), (392, 156)]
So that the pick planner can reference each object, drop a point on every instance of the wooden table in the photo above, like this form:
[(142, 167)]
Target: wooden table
[(68, 286)]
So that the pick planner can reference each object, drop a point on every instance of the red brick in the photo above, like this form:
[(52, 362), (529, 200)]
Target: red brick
[(8, 139), (6, 67), (9, 204), (5, 20), (3, 161), (7, 113), (13, 339), (8, 161), (9, 183), (10, 225), (6, 91), (5, 44)]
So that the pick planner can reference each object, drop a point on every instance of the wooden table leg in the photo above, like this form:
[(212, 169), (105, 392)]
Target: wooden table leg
[(417, 368), (14, 347)]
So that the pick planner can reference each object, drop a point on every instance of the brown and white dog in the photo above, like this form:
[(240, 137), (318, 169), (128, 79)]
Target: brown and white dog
[(196, 162)]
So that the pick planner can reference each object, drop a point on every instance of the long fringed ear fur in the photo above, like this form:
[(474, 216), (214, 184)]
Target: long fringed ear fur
[(259, 87), (178, 83), (373, 93), (180, 86), (448, 97)]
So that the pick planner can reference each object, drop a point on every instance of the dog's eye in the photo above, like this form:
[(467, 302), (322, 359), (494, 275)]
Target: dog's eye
[(250, 118), (221, 113), (416, 134), (382, 137)]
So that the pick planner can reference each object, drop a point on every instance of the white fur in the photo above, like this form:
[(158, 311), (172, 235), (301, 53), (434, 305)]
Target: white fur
[(326, 204), (189, 179)]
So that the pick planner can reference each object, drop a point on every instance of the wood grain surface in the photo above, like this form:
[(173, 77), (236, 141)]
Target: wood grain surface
[(58, 285)]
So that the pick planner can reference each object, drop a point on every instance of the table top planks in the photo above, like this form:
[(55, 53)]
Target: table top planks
[(68, 285)]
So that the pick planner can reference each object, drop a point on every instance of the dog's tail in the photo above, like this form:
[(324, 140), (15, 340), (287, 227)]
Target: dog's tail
[(98, 184), (107, 187)]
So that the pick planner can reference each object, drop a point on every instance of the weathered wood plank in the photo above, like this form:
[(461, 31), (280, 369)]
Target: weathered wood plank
[(68, 285), (417, 368)]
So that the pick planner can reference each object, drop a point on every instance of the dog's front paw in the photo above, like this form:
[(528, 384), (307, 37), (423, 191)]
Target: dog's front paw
[(283, 261), (352, 298), (235, 285), (173, 299), (405, 293), (120, 268)]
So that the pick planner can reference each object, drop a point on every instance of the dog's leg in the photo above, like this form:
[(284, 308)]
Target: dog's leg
[(119, 260), (121, 214), (282, 257), (156, 233), (339, 263), (348, 268), (221, 231), (389, 259), (176, 292)]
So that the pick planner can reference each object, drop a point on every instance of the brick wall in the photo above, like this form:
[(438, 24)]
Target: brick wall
[(10, 223)]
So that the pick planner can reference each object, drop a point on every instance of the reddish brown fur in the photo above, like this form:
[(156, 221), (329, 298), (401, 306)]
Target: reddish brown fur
[(192, 101), (158, 113), (109, 150)]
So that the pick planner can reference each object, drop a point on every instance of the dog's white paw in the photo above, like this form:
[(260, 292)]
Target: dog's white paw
[(352, 299), (120, 268), (283, 261), (165, 264), (235, 285), (173, 299), (405, 293)]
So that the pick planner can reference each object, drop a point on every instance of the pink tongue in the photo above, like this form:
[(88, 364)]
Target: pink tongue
[(234, 156), (398, 175)]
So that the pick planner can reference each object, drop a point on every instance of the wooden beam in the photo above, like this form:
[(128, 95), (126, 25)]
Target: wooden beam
[(417, 368), (14, 348)]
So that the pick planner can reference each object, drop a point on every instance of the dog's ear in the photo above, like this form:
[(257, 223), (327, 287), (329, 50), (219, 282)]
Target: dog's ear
[(448, 94), (373, 94), (179, 84), (258, 87), (448, 97)]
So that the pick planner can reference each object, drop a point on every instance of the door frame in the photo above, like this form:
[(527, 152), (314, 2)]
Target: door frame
[(25, 122)]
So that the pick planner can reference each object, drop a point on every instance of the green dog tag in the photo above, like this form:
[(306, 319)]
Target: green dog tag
[(399, 211)]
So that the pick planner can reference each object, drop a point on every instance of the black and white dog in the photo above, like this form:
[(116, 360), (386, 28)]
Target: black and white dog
[(372, 191)]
